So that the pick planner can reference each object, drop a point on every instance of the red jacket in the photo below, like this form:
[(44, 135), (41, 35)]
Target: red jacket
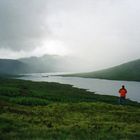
[(122, 92)]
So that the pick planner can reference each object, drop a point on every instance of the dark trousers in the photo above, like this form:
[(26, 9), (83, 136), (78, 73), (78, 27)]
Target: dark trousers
[(122, 100)]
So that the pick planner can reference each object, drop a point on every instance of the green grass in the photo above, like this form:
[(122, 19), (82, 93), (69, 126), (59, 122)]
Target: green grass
[(52, 111)]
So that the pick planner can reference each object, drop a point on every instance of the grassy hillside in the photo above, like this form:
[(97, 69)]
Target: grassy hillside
[(129, 71), (39, 110)]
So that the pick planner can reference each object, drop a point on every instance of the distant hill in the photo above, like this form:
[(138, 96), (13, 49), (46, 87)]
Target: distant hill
[(46, 63), (128, 71), (9, 66)]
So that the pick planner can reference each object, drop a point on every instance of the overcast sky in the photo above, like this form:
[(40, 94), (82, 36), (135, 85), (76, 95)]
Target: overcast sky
[(101, 33)]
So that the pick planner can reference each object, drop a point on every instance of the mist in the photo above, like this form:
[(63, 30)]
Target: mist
[(92, 34)]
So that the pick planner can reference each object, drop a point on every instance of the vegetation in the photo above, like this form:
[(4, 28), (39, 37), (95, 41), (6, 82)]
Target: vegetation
[(129, 71), (52, 111)]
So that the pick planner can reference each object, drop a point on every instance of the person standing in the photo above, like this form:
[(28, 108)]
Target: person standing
[(122, 93)]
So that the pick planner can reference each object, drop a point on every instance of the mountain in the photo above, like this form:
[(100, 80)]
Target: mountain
[(128, 71), (9, 66), (46, 63)]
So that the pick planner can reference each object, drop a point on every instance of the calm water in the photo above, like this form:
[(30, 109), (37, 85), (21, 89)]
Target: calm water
[(106, 87)]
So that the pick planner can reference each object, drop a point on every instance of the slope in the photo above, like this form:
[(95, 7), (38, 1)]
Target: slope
[(39, 110), (128, 71)]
